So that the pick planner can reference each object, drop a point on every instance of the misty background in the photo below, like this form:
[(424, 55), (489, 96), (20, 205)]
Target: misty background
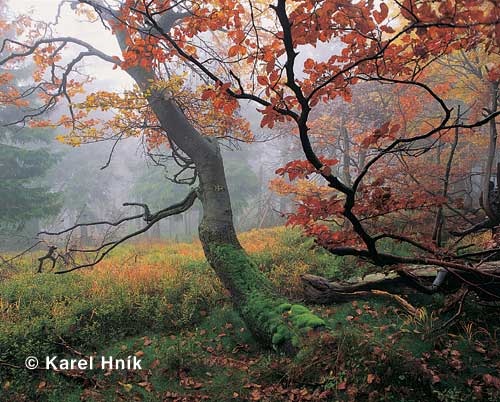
[(91, 182)]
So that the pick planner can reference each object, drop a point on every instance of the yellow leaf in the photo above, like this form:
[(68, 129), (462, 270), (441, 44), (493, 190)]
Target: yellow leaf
[(126, 387)]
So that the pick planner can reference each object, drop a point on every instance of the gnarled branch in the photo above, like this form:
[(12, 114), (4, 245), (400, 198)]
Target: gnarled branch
[(103, 250)]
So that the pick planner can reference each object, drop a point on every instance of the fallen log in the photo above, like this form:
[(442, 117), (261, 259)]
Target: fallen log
[(428, 280), (320, 290)]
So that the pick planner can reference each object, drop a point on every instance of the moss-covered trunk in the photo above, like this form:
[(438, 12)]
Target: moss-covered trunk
[(273, 320)]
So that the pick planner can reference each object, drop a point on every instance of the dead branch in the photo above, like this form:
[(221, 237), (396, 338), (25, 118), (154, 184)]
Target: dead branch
[(458, 313), (103, 250), (51, 255)]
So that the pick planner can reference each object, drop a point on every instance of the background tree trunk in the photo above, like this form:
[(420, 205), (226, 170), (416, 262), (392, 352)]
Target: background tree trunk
[(487, 196), (346, 163)]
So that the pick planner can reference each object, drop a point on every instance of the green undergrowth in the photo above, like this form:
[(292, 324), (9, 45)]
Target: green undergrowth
[(163, 304)]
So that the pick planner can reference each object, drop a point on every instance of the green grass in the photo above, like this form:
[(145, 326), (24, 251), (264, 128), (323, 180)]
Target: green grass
[(163, 303)]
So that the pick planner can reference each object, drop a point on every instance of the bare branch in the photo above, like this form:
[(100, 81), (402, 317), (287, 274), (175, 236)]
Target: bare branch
[(151, 219)]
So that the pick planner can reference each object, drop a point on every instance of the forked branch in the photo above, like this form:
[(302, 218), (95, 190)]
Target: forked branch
[(104, 249)]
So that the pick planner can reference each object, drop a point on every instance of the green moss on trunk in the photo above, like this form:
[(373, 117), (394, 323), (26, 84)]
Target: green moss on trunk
[(269, 316)]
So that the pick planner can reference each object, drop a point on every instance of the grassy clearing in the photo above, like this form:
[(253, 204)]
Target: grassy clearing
[(162, 303)]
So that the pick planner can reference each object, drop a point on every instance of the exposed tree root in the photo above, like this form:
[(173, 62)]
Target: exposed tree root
[(402, 302)]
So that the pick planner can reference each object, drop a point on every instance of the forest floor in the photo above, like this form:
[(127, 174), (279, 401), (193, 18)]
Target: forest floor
[(162, 304)]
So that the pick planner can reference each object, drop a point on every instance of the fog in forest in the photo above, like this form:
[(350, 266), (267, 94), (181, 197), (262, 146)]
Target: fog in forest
[(93, 180)]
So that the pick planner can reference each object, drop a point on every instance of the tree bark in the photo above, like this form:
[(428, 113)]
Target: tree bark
[(346, 163), (487, 196), (439, 220), (273, 320), (270, 318)]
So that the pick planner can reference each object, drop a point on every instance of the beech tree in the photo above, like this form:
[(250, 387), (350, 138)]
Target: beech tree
[(194, 63)]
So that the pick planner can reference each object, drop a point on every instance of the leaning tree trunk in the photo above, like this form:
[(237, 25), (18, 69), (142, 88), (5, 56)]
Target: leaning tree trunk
[(270, 317), (273, 320)]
